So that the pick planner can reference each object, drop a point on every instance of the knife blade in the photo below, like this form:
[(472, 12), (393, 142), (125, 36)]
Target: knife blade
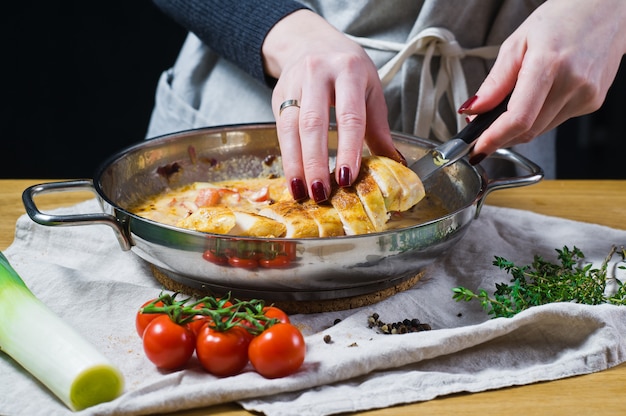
[(459, 145)]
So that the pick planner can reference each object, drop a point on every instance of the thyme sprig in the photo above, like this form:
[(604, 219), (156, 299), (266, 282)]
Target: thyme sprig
[(544, 282)]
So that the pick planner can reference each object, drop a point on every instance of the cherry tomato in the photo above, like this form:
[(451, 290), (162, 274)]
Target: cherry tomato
[(260, 195), (207, 197), (246, 263), (290, 250), (279, 261), (223, 353), (196, 324), (271, 312), (212, 257), (274, 312), (143, 319), (167, 344), (278, 351)]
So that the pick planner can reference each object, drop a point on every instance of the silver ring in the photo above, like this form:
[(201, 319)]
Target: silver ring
[(288, 103)]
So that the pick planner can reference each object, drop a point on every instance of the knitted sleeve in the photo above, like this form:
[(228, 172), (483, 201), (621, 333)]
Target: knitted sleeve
[(235, 29)]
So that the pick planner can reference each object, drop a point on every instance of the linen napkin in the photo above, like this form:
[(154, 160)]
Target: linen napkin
[(82, 274)]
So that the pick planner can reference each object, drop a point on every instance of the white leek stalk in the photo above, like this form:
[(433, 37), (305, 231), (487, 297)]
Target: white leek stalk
[(49, 349)]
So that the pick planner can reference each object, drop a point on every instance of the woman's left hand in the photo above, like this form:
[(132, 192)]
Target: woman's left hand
[(318, 67)]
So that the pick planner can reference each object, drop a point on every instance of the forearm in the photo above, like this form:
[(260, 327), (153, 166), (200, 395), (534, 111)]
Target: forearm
[(235, 30)]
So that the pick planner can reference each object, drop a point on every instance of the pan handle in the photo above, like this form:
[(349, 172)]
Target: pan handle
[(68, 220), (535, 174)]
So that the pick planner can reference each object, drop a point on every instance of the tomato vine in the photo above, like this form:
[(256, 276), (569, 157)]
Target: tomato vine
[(222, 313)]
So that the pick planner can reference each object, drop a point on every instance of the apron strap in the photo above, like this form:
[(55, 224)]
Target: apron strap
[(433, 41)]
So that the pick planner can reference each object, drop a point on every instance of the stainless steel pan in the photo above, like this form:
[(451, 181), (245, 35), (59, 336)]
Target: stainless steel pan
[(320, 268)]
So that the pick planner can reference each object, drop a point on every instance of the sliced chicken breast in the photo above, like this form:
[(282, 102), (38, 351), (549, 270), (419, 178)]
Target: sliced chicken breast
[(218, 220), (298, 222), (249, 224), (372, 199), (412, 187), (351, 212), (386, 181), (382, 186), (328, 222)]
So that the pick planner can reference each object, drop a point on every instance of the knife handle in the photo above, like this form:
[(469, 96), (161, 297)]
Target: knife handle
[(481, 122)]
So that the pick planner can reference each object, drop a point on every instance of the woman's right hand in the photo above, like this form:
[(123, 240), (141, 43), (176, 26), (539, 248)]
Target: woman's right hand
[(558, 64), (320, 67)]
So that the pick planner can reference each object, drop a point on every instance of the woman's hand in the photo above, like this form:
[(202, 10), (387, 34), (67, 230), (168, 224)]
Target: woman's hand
[(319, 67), (559, 64)]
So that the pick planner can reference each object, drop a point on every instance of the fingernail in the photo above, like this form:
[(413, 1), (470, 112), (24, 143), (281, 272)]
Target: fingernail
[(319, 192), (298, 190), (467, 104), (345, 178), (477, 158), (468, 120), (401, 157)]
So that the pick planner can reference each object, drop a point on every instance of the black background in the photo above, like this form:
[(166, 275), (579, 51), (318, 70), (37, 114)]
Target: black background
[(80, 78), (78, 83)]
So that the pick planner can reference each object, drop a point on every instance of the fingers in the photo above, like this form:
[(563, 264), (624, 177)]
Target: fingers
[(529, 110), (350, 113), (350, 84), (361, 113), (377, 132), (303, 132), (534, 104), (288, 138), (313, 123), (303, 136), (504, 78)]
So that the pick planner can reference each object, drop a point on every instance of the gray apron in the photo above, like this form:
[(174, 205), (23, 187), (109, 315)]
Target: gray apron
[(432, 55)]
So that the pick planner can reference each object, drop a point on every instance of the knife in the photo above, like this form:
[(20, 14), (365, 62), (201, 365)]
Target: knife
[(459, 145)]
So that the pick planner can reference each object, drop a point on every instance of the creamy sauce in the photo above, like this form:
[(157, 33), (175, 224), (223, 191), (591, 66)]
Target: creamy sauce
[(428, 209), (252, 195)]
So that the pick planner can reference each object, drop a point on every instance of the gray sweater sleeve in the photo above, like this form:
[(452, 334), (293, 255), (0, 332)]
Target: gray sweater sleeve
[(235, 29)]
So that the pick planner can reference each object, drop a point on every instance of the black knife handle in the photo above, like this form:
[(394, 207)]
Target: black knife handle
[(481, 122)]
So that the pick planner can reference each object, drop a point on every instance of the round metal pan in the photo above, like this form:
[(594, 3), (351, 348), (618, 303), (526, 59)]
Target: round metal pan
[(321, 268)]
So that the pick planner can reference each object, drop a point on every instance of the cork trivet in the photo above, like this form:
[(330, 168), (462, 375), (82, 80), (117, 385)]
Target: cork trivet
[(300, 306)]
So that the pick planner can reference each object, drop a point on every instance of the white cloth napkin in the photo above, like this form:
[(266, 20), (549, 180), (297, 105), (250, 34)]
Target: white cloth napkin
[(82, 274)]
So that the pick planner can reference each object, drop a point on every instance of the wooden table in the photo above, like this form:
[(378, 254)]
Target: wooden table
[(600, 202)]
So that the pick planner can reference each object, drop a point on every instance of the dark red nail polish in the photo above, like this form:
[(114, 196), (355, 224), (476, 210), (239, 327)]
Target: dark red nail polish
[(319, 192), (402, 158), (467, 104), (476, 159), (298, 190), (345, 178)]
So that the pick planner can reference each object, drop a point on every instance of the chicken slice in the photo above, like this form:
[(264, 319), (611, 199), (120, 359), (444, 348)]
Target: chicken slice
[(249, 224), (386, 181), (351, 212), (412, 187), (328, 222), (219, 220), (372, 199), (296, 219)]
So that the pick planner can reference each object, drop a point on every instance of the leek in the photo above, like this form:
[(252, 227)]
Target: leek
[(49, 349)]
